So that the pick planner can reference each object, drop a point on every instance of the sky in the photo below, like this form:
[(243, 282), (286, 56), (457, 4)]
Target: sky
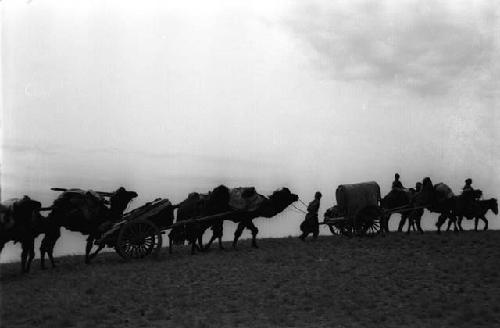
[(169, 97)]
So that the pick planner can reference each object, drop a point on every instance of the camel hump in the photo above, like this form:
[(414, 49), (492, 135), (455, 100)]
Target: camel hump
[(443, 191), (6, 219), (245, 199)]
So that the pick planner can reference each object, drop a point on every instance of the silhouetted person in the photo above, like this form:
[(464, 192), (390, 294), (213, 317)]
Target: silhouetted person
[(470, 196), (468, 186), (310, 223), (396, 184)]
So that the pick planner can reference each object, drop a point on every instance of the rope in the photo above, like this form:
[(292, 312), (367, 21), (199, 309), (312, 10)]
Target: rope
[(300, 200), (402, 209), (293, 211), (300, 210)]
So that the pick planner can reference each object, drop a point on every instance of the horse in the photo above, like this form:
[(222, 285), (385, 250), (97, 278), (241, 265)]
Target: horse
[(462, 205), (478, 212)]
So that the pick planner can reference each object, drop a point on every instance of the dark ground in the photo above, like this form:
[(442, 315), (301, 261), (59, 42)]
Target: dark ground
[(430, 280)]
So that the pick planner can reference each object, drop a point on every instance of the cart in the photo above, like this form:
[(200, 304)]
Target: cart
[(139, 233), (358, 211)]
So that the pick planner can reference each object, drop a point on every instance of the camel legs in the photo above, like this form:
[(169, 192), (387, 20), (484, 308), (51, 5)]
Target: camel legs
[(451, 220), (47, 246), (200, 241), (217, 231), (412, 219), (401, 222), (449, 225), (419, 225), (410, 224), (88, 248), (214, 236), (196, 238), (193, 247), (255, 231), (441, 219), (237, 233), (384, 223), (455, 226), (414, 222), (456, 221), (170, 244), (27, 255), (249, 225), (459, 223)]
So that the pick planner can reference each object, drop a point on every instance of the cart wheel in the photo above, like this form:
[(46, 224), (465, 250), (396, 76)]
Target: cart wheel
[(335, 230), (341, 229), (368, 221), (347, 229), (372, 228), (137, 239)]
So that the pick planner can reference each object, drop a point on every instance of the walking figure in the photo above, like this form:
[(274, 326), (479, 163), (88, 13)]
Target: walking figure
[(310, 223)]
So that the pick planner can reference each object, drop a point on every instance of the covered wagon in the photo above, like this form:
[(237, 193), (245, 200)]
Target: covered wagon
[(357, 211)]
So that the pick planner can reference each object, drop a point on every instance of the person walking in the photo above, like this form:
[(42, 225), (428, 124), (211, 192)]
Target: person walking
[(310, 223)]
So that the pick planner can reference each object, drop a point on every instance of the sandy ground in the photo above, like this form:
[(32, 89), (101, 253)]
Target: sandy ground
[(430, 280)]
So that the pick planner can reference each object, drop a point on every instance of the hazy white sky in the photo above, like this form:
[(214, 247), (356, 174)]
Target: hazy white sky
[(167, 97)]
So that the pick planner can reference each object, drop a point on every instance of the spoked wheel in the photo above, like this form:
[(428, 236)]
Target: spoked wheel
[(338, 226), (368, 221), (341, 229), (371, 227), (334, 229), (138, 239)]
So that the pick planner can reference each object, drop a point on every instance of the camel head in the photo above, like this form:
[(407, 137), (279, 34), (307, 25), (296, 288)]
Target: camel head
[(120, 200), (278, 201)]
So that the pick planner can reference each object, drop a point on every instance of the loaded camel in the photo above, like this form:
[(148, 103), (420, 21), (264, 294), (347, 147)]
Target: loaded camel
[(20, 221), (85, 212), (243, 210)]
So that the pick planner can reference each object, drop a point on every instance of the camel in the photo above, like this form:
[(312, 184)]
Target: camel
[(437, 199), (86, 212), (196, 206), (19, 222), (220, 201)]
